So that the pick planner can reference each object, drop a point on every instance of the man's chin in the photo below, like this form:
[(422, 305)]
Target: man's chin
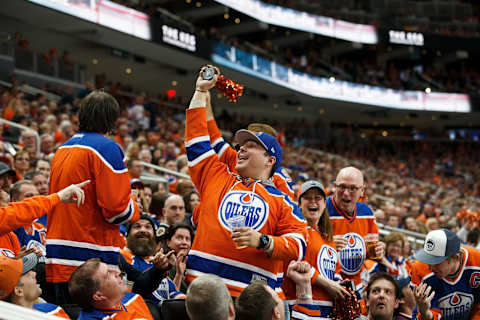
[(380, 313)]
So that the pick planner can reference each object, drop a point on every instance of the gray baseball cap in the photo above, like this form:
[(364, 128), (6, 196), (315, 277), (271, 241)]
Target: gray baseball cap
[(439, 245), (312, 184), (5, 168)]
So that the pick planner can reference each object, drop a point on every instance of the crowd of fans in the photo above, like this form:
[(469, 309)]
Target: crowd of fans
[(364, 67), (417, 186)]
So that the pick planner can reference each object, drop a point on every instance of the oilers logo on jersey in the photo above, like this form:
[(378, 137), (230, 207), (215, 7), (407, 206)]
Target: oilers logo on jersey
[(327, 261), (35, 244), (456, 305), (242, 203), (353, 254), (7, 253)]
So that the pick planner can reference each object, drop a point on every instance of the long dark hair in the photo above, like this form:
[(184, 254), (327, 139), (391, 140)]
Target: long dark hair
[(98, 112), (325, 226)]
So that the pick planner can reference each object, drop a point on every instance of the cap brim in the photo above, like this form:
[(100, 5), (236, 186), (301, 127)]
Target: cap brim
[(242, 136), (426, 258), (29, 262), (9, 171), (314, 187), (137, 185)]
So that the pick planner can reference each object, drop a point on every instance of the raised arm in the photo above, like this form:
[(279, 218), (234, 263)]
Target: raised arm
[(22, 213)]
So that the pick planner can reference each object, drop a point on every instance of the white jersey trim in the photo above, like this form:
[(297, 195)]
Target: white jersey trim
[(98, 155), (77, 244), (129, 210), (237, 264), (302, 316), (205, 155), (222, 150), (219, 140), (71, 263), (195, 140)]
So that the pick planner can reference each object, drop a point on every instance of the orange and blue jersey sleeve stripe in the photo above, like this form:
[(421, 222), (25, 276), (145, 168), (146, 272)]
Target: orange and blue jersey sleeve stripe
[(74, 253), (197, 143), (216, 140), (307, 311), (225, 152), (51, 309)]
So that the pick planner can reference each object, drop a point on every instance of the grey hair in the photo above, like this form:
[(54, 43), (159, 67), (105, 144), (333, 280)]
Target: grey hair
[(208, 298)]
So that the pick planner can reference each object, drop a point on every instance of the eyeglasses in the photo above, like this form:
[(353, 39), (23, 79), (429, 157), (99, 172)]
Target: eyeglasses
[(344, 187)]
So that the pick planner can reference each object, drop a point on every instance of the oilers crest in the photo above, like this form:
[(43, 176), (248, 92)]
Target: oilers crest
[(7, 253), (327, 261), (353, 254), (456, 305), (243, 203), (35, 244)]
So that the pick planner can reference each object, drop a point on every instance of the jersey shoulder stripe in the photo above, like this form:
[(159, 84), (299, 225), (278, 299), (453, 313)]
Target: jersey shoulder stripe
[(363, 210), (107, 150)]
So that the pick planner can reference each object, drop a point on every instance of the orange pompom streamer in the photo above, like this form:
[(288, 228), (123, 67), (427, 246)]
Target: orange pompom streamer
[(348, 309), (229, 88), (472, 216)]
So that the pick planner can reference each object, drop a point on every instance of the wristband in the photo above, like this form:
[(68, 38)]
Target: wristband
[(304, 296)]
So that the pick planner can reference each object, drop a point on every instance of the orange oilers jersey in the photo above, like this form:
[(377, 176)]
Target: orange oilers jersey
[(23, 213), (322, 256), (9, 245), (307, 311), (132, 307), (18, 214), (76, 234), (355, 229), (457, 298), (228, 155), (225, 195), (33, 236), (51, 309)]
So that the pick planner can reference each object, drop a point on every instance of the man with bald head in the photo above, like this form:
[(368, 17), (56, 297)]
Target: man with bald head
[(174, 210), (353, 224)]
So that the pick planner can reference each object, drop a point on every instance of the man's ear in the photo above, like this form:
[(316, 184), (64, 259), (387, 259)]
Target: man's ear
[(271, 160), (18, 291), (98, 296), (276, 313), (397, 303)]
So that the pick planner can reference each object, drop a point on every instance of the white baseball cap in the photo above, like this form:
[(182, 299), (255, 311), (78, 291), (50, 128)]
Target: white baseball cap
[(439, 245)]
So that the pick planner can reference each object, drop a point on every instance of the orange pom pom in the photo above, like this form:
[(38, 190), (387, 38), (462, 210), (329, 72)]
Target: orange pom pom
[(229, 88)]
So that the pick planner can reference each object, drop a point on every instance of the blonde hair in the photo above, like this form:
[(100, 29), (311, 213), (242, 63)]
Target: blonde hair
[(262, 127)]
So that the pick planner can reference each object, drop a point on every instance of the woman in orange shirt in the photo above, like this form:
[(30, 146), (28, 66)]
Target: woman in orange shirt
[(320, 254)]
